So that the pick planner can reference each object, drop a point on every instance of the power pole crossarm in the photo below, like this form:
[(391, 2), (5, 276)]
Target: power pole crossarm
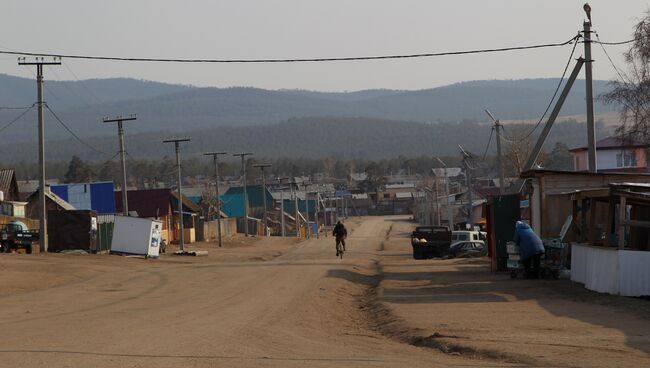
[(120, 134)]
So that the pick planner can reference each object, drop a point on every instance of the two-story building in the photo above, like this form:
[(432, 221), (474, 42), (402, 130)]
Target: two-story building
[(615, 155)]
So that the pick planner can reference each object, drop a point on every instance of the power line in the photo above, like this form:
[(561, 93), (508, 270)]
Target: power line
[(16, 108), (90, 91), (17, 118), (73, 133), (292, 60), (620, 74), (550, 103), (615, 43), (488, 144)]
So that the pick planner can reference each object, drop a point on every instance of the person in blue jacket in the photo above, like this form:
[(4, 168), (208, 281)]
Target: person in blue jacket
[(531, 249)]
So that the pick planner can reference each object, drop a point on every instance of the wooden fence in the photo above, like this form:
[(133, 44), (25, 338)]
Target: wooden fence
[(228, 229)]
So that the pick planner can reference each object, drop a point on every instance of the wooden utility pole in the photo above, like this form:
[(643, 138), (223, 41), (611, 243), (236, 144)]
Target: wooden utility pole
[(591, 125), (215, 157), (497, 128), (42, 213), (262, 167), (177, 141), (243, 173), (120, 135)]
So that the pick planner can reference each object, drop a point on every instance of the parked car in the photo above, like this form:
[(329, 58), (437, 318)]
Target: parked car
[(467, 249), (466, 235), (430, 241)]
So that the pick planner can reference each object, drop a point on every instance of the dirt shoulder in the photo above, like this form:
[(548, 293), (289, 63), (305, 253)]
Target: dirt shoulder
[(460, 307)]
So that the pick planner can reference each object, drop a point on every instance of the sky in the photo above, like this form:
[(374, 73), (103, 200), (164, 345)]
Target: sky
[(248, 29)]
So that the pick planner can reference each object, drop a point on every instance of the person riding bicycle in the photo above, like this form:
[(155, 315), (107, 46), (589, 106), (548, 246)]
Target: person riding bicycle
[(340, 232)]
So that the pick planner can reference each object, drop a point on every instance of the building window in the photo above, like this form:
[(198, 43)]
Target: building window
[(626, 159)]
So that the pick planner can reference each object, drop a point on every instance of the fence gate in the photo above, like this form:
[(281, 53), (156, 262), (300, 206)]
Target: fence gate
[(105, 224)]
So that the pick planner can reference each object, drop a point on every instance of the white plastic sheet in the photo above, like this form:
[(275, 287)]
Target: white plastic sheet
[(611, 271)]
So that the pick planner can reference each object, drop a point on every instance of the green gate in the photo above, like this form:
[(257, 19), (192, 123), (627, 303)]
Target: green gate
[(105, 224)]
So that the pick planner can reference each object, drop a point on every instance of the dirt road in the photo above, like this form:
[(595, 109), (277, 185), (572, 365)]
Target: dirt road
[(459, 305), (282, 303), (297, 309)]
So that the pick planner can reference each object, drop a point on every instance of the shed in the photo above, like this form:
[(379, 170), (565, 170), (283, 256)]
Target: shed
[(545, 190)]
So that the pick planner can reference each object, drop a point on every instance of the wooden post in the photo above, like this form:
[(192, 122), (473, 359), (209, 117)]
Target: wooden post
[(610, 229), (621, 223), (592, 221)]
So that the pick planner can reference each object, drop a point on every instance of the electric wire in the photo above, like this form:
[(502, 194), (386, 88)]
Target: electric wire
[(17, 118), (74, 134), (620, 74), (89, 90), (289, 60), (67, 86), (15, 107), (488, 144), (614, 43), (550, 103)]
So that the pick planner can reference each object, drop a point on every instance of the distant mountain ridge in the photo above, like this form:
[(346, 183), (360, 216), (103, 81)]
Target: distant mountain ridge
[(177, 108)]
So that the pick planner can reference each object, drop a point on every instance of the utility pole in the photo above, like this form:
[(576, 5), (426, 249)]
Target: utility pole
[(282, 204), (177, 142), (308, 225), (316, 211), (243, 173), (435, 193), (262, 167), (120, 135), (295, 198), (450, 213), (591, 125), (468, 177), (215, 157), (497, 128), (42, 214)]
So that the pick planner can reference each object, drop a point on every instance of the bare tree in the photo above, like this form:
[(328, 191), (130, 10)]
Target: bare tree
[(518, 148), (632, 89)]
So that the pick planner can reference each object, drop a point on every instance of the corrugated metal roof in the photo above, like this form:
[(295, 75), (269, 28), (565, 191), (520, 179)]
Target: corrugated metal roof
[(6, 175), (8, 184)]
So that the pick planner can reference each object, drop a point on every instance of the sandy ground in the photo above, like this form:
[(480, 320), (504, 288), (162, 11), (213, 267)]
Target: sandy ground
[(459, 306), (283, 303)]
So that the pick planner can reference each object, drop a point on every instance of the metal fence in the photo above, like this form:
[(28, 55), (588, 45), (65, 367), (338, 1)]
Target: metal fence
[(105, 224)]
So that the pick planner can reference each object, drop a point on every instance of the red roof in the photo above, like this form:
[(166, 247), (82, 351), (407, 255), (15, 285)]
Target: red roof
[(612, 143), (146, 202)]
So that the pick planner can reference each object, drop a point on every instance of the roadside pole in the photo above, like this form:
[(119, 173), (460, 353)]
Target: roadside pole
[(215, 157), (120, 135), (243, 171), (591, 126), (42, 208), (177, 142)]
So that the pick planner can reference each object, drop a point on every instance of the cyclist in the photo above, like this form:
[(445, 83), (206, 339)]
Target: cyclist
[(340, 232)]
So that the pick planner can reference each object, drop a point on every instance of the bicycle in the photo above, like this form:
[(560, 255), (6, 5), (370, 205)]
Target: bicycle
[(340, 247)]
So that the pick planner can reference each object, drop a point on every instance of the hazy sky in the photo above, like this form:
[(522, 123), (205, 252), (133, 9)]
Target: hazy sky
[(309, 28)]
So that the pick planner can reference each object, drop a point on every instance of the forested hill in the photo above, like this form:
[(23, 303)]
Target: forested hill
[(339, 138), (176, 108)]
